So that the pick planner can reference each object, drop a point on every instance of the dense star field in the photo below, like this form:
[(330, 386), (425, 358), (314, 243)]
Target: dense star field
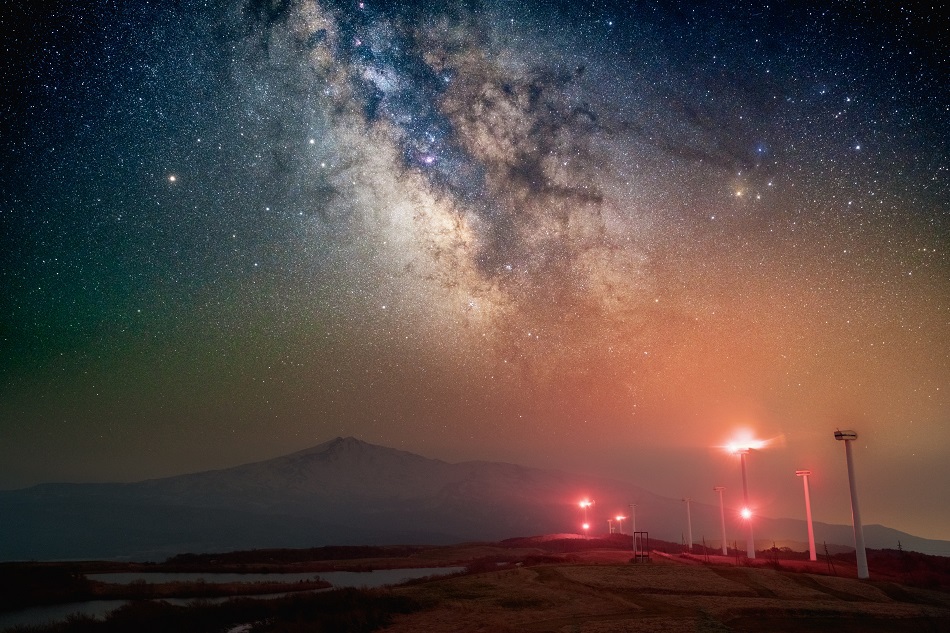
[(592, 236)]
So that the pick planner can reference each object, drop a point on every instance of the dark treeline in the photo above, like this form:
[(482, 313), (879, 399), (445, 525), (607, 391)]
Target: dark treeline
[(351, 610), (22, 584), (284, 556)]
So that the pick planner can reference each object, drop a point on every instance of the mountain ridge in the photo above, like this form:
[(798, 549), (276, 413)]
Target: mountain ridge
[(348, 491)]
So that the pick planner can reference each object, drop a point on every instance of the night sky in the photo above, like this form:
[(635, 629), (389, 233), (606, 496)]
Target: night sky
[(600, 237)]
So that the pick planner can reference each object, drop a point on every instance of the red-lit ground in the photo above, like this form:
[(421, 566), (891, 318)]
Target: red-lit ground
[(599, 591), (558, 583)]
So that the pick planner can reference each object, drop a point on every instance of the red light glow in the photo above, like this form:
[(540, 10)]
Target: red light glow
[(744, 440), (746, 513), (586, 526)]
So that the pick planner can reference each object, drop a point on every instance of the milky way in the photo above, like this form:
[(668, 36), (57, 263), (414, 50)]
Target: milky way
[(594, 237)]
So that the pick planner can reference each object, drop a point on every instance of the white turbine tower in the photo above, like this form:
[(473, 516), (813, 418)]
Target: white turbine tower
[(859, 551), (811, 528), (633, 525), (586, 503), (689, 526), (722, 519), (746, 510)]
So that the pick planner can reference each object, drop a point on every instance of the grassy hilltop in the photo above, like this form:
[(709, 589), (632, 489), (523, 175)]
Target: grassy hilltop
[(562, 584)]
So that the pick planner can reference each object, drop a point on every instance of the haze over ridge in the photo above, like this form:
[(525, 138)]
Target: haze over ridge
[(346, 491)]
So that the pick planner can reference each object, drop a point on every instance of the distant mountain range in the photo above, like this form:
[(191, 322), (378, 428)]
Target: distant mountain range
[(349, 492)]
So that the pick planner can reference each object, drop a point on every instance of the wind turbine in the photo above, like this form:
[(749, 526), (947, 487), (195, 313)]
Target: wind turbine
[(722, 519), (860, 553), (811, 529)]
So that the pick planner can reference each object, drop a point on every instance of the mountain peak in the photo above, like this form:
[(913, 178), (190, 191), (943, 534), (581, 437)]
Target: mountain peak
[(348, 443), (352, 449), (338, 445), (351, 446)]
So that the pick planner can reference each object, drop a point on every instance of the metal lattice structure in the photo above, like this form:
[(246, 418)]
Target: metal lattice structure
[(641, 546)]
